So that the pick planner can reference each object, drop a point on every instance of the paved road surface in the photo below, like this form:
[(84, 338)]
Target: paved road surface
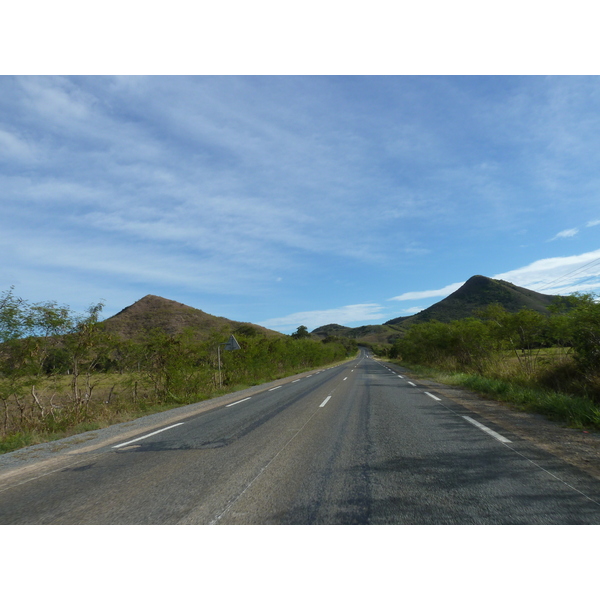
[(355, 444)]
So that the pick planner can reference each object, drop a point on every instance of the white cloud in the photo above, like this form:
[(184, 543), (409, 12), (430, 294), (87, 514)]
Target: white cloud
[(14, 147), (413, 310), (566, 233), (593, 223), (113, 260), (344, 315), (558, 275), (445, 291)]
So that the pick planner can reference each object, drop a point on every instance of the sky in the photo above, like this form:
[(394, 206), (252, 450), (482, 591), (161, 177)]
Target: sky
[(296, 200)]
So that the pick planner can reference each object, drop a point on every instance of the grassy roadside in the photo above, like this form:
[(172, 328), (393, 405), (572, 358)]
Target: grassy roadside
[(572, 410), (111, 407)]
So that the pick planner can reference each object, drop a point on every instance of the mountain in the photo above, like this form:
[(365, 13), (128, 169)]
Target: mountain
[(373, 334), (154, 312), (333, 329), (476, 293)]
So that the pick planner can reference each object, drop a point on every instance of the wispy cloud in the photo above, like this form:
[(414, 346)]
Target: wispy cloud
[(558, 275), (412, 310), (14, 148), (197, 186), (429, 293), (566, 233), (344, 315)]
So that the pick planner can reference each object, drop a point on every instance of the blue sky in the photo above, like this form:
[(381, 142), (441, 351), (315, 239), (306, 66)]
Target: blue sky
[(296, 200)]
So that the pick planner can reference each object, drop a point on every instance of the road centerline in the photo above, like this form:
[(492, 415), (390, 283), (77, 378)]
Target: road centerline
[(325, 402)]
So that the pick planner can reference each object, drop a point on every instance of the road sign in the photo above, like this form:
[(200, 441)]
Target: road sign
[(232, 344)]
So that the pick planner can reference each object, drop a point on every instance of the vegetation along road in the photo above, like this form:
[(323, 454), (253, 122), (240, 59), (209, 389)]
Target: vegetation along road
[(359, 443)]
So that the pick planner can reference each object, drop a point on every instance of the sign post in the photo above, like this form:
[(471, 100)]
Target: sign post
[(230, 344)]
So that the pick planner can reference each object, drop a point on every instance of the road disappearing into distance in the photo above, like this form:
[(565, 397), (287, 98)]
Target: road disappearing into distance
[(359, 443)]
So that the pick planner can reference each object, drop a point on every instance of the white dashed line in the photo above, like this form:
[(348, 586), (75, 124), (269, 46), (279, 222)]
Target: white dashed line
[(275, 388), (324, 402), (434, 397), (489, 431), (244, 400), (147, 436), (413, 384)]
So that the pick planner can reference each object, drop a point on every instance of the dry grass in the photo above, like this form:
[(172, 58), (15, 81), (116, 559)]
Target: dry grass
[(546, 382)]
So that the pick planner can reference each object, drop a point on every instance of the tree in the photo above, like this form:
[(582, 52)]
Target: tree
[(12, 316), (585, 331), (248, 330), (86, 345), (300, 333), (523, 332), (472, 345)]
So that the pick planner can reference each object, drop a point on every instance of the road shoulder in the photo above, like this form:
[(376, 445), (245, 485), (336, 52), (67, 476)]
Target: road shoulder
[(575, 446)]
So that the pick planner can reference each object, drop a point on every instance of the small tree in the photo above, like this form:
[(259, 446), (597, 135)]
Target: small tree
[(12, 316), (300, 333), (86, 344)]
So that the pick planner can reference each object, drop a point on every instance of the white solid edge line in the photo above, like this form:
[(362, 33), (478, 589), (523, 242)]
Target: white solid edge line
[(489, 431), (244, 400), (147, 436), (324, 402), (434, 397), (275, 388)]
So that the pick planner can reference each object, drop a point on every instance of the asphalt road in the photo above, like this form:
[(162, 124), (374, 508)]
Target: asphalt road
[(355, 444)]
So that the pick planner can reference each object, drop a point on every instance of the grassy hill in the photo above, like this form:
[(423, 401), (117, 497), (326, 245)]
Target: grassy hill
[(331, 330), (477, 293), (154, 312)]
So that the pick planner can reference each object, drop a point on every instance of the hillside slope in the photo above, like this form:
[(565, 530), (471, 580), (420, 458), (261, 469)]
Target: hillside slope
[(154, 312), (475, 294)]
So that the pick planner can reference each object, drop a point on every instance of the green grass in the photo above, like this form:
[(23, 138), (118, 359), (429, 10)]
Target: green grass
[(573, 410)]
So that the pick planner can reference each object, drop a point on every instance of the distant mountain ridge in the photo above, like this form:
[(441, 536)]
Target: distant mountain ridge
[(155, 312), (475, 294)]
